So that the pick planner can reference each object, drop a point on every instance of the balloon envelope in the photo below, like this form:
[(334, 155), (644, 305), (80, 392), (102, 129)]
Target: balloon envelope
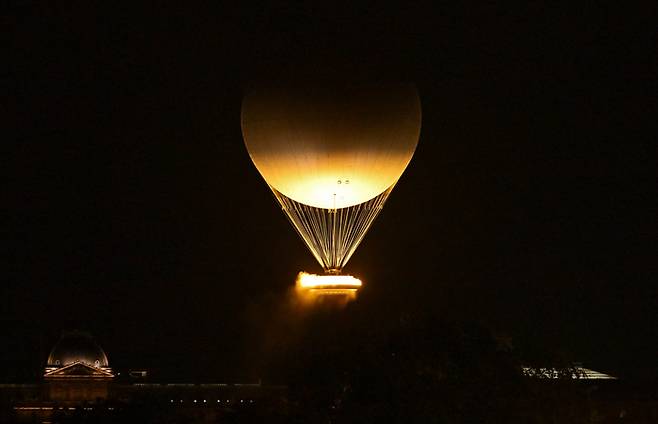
[(330, 147)]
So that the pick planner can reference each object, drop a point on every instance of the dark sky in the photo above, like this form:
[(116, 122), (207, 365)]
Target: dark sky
[(133, 210)]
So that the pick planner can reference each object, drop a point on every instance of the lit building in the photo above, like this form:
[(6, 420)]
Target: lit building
[(576, 372), (77, 370), (77, 378)]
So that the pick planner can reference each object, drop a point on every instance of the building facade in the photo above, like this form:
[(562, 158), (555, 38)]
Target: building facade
[(78, 379)]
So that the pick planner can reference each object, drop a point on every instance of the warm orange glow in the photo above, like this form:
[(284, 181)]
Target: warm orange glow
[(331, 152), (340, 288), (313, 281), (331, 147)]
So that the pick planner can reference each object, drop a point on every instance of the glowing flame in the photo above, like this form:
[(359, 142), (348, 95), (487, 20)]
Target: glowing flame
[(309, 286), (313, 281)]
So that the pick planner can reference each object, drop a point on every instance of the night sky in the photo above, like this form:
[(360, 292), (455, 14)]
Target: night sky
[(132, 209)]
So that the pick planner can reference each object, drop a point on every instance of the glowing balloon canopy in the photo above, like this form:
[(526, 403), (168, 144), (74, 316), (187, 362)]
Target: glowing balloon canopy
[(331, 155)]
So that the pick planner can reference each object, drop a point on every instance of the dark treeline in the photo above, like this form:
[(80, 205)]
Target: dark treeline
[(416, 368), (426, 367), (400, 366)]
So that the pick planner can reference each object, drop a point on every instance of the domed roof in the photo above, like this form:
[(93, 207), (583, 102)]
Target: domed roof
[(77, 346)]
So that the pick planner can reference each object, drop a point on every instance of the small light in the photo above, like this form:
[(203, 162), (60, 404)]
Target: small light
[(204, 401), (194, 400)]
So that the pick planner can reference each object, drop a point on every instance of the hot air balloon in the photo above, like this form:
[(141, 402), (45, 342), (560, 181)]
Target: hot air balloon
[(331, 154)]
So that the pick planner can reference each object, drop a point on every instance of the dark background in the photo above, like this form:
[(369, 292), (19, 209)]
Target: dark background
[(133, 210)]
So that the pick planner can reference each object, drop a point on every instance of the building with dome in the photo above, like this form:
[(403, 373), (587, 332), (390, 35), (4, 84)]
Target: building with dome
[(77, 370), (76, 348), (78, 379), (78, 383)]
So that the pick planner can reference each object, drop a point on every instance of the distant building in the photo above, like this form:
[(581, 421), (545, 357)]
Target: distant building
[(77, 370), (78, 377), (576, 372)]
